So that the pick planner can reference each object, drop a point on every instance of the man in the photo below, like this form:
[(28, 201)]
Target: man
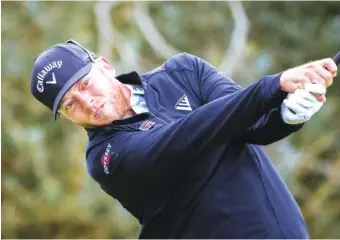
[(181, 147)]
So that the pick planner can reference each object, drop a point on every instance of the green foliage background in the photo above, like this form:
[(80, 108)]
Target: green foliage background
[(46, 192)]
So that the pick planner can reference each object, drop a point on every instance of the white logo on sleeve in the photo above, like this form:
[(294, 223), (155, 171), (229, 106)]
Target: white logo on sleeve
[(183, 104)]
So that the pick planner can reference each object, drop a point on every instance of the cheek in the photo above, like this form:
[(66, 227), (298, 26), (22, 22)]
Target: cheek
[(103, 90), (79, 117)]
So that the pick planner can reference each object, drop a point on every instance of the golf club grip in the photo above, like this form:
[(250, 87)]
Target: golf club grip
[(336, 59)]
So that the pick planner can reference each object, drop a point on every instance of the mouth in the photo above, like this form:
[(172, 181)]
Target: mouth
[(99, 111)]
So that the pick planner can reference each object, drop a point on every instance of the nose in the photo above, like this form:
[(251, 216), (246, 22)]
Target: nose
[(85, 100)]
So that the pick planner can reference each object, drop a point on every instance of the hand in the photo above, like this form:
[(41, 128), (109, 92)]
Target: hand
[(300, 106), (319, 72)]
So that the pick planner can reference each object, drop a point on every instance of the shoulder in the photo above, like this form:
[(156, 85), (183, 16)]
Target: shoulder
[(184, 63), (180, 61)]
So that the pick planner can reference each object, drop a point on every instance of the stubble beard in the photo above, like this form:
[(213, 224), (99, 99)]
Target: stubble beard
[(121, 106)]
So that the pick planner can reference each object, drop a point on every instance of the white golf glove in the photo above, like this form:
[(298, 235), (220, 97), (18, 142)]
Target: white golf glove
[(301, 105)]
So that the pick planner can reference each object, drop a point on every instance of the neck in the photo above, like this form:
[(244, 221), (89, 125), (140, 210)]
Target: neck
[(127, 95)]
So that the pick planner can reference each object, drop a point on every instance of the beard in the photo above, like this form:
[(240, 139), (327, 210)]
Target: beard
[(120, 105)]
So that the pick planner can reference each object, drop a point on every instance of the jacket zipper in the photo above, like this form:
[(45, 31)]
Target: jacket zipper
[(148, 105)]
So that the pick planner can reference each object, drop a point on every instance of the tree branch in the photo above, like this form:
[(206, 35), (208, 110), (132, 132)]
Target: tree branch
[(109, 37), (153, 36), (104, 27), (238, 40)]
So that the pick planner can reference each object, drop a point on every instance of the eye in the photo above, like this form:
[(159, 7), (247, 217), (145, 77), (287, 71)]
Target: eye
[(69, 105), (85, 84)]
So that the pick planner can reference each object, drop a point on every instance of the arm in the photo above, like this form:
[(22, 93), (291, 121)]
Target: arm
[(149, 158), (268, 129)]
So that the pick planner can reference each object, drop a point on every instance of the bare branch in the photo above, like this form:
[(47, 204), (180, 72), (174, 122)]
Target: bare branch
[(238, 41), (150, 32), (109, 37), (129, 57), (104, 26)]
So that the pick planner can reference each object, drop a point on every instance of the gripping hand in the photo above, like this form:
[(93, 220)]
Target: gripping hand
[(301, 105)]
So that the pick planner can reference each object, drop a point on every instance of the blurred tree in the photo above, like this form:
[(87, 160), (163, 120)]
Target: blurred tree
[(46, 192)]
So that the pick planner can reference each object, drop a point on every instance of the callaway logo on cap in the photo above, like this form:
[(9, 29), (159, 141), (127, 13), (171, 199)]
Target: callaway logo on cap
[(57, 69)]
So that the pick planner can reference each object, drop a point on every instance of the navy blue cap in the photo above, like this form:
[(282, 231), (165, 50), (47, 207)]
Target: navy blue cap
[(57, 69)]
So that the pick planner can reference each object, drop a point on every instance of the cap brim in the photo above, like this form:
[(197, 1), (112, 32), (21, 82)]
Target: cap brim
[(77, 76)]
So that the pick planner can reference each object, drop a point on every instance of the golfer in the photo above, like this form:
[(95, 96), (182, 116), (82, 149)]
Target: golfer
[(181, 146)]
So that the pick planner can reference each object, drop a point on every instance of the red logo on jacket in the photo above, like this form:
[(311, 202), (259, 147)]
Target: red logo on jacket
[(146, 125), (106, 159)]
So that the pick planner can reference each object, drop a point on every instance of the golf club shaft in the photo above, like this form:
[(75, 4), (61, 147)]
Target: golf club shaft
[(336, 59)]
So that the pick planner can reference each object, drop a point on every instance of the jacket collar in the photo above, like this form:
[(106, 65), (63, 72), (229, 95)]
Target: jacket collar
[(130, 78)]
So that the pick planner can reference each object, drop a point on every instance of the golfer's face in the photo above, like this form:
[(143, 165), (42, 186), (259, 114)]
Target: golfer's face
[(94, 100)]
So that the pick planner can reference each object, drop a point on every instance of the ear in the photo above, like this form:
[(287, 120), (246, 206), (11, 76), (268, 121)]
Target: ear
[(105, 64)]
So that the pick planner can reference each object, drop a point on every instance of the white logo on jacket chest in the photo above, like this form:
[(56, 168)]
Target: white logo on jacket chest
[(183, 104)]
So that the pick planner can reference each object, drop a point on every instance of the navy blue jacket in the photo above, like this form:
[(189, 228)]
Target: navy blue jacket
[(200, 173)]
